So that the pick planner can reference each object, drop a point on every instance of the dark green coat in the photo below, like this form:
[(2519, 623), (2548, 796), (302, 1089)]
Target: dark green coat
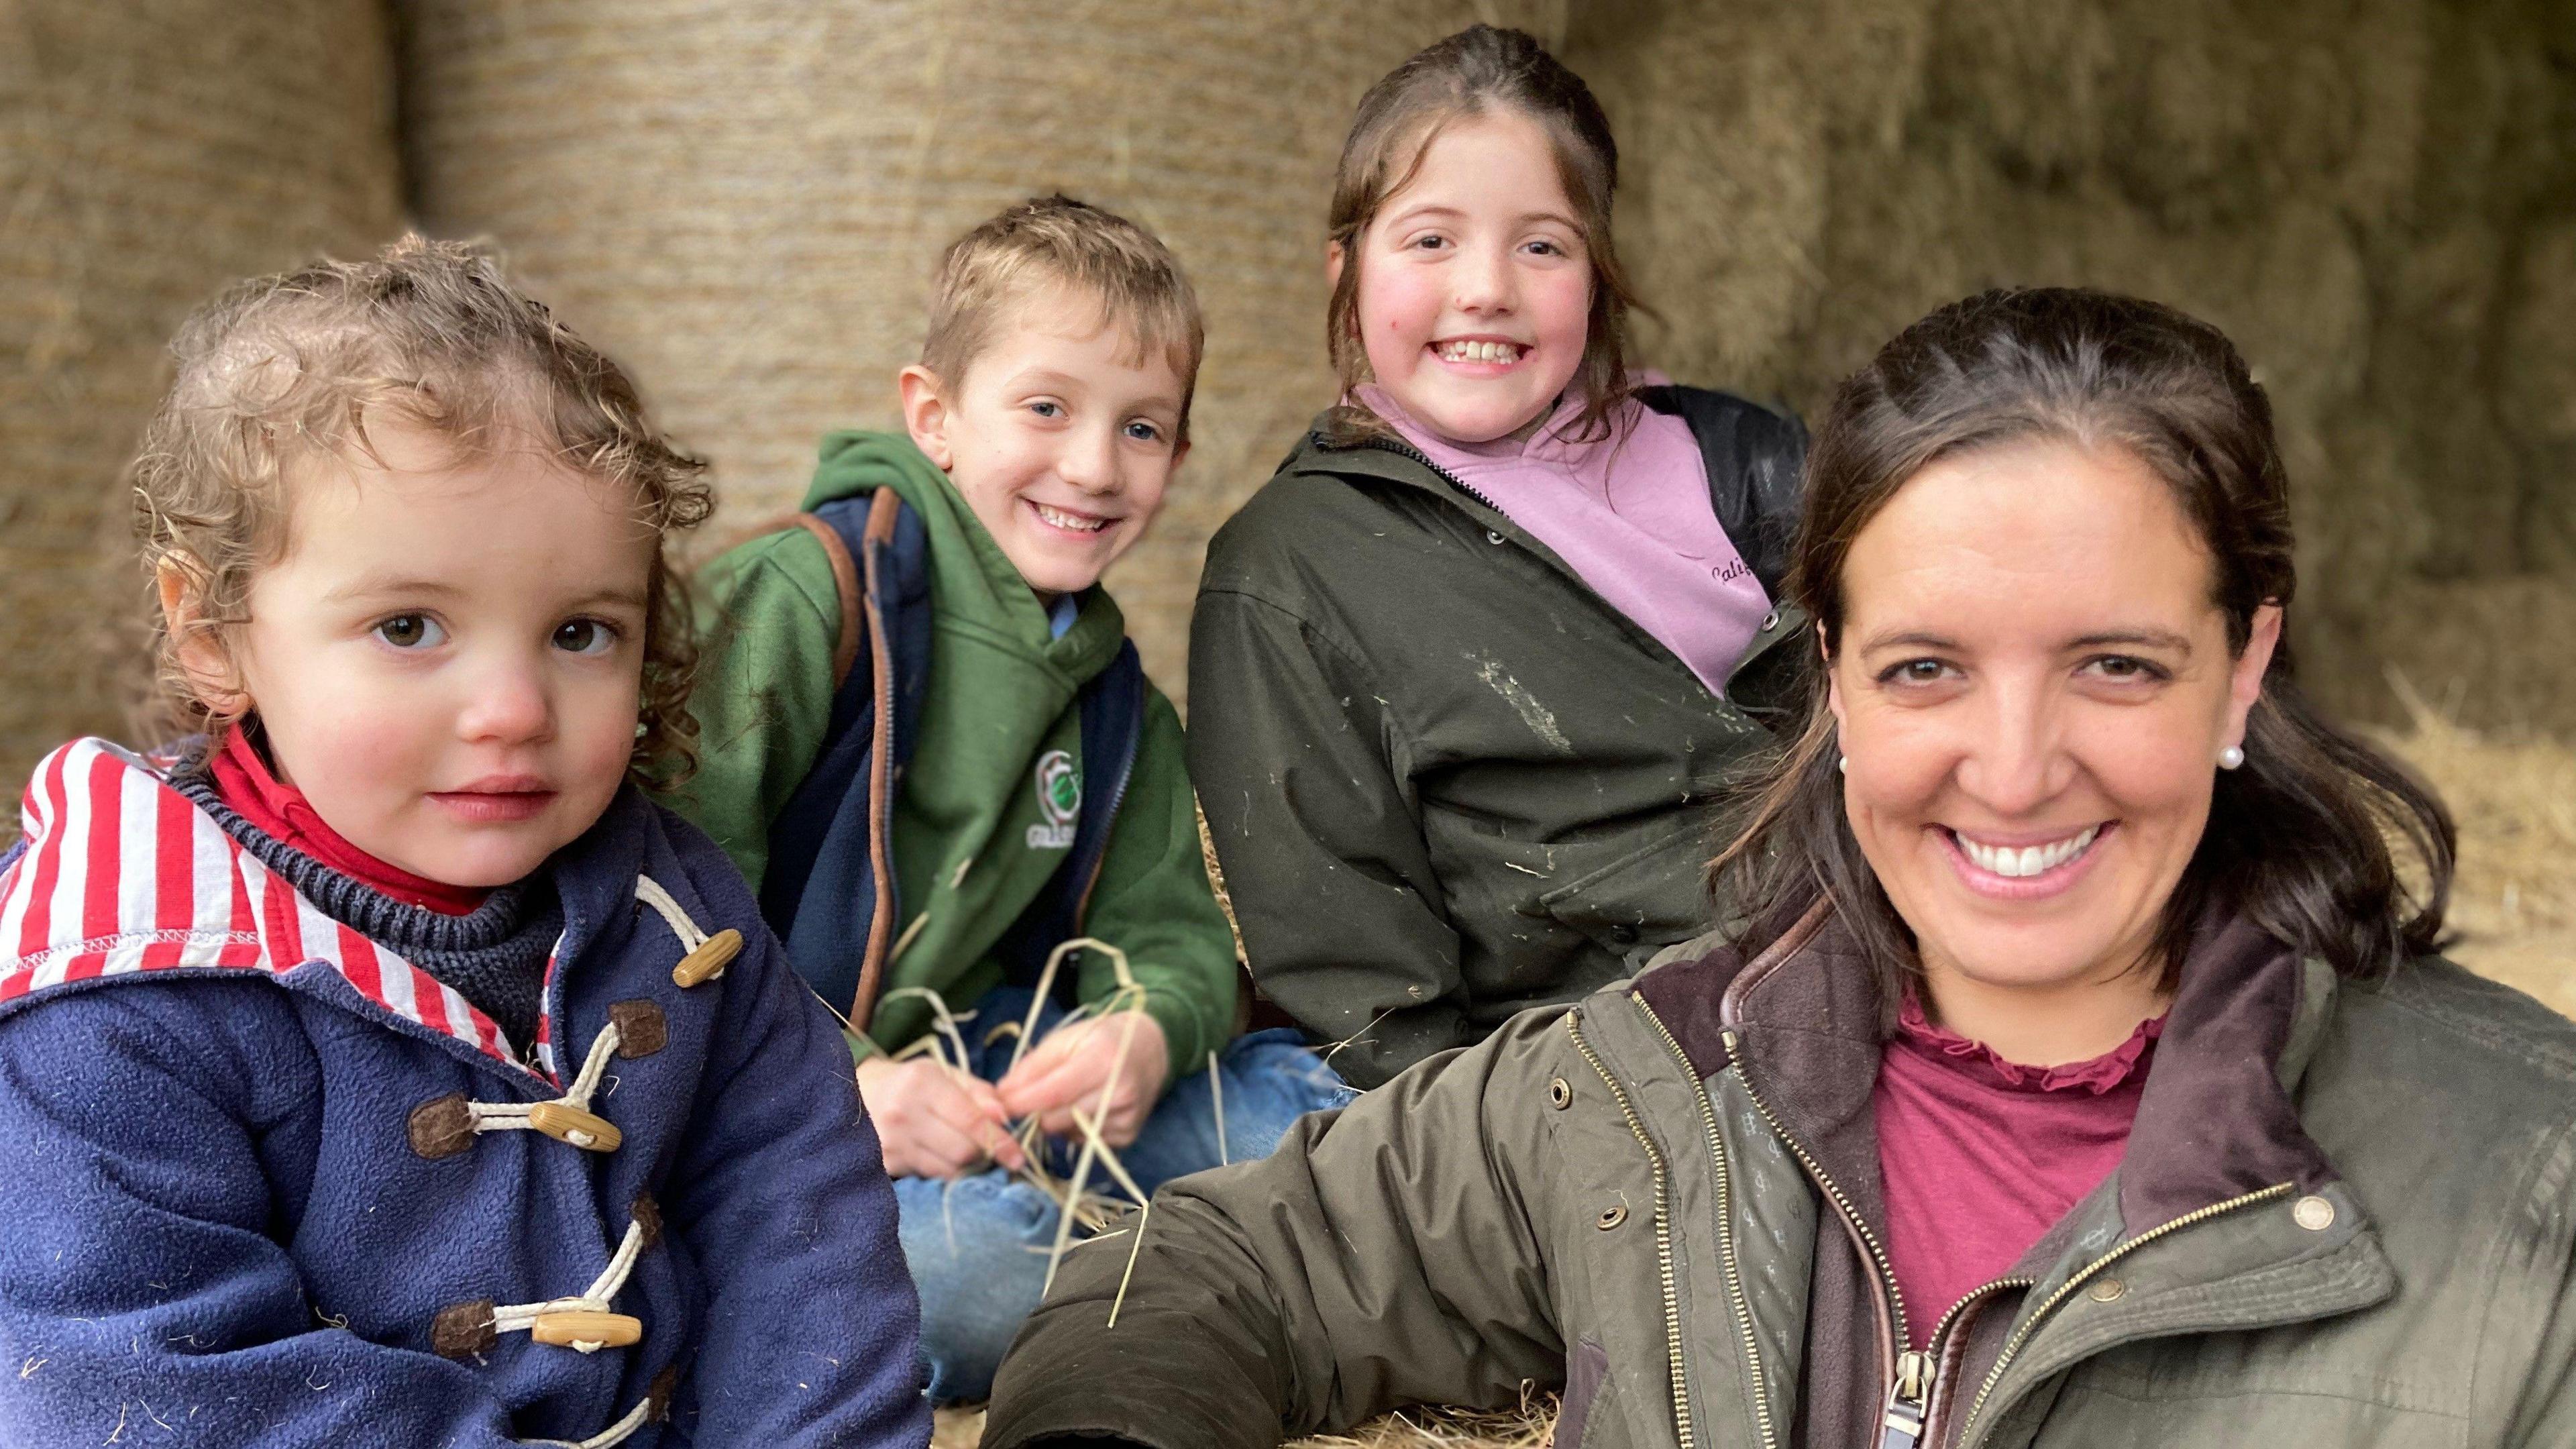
[(2344, 1218), (1446, 780)]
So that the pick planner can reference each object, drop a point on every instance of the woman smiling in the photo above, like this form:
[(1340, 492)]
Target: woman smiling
[(2081, 1074)]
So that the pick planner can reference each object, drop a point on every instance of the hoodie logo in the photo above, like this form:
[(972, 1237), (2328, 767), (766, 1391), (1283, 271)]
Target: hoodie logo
[(1059, 801)]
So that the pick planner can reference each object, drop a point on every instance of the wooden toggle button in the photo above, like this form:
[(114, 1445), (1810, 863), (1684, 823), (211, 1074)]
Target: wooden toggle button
[(709, 961), (585, 1130), (573, 1325)]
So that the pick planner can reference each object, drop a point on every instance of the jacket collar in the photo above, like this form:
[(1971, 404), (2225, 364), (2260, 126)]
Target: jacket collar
[(122, 876), (2215, 1121)]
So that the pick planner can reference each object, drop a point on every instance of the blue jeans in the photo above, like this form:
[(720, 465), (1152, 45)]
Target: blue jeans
[(978, 1245)]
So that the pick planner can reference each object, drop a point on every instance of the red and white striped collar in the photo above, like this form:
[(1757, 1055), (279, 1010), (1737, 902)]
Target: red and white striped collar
[(122, 876)]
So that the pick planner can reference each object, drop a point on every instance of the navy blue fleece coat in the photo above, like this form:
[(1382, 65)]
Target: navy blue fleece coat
[(218, 1225)]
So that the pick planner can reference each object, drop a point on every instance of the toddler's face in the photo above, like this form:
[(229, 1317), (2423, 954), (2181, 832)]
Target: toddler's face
[(448, 661), (1475, 291), (1061, 439)]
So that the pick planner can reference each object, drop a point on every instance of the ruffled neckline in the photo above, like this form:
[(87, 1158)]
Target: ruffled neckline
[(2096, 1075)]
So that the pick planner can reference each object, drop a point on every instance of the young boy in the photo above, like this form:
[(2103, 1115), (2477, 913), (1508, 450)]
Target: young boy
[(928, 745), (381, 1067)]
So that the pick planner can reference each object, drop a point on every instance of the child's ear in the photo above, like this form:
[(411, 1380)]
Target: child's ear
[(199, 650), (925, 414)]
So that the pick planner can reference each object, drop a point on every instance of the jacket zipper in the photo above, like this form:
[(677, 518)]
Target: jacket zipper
[(1907, 1415), (1663, 1234), (1725, 1229), (1117, 797), (1909, 1396), (2030, 1324), (1816, 1170), (1407, 450), (1908, 1404)]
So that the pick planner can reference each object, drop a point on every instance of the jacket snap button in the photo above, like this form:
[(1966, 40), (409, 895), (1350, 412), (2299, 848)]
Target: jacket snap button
[(1623, 934), (708, 961), (1613, 1218), (1559, 1094), (1493, 536), (2313, 1213), (2106, 1290)]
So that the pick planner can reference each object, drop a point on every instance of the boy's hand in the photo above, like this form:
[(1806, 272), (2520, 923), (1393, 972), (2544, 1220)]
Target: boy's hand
[(934, 1120), (1072, 1066)]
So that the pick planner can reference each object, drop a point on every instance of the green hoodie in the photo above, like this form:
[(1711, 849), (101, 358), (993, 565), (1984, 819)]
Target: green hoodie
[(971, 846)]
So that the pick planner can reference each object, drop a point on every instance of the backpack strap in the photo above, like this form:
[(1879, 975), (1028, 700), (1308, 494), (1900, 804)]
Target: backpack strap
[(845, 587), (829, 891)]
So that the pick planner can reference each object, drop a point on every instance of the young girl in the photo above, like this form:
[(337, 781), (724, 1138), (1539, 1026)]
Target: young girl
[(1467, 672), (449, 1093)]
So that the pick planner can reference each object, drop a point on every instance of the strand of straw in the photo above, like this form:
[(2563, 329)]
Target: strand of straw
[(1091, 1143), (1216, 1089)]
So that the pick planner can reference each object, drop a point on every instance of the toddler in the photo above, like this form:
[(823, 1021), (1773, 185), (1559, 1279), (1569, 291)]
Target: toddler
[(449, 1093)]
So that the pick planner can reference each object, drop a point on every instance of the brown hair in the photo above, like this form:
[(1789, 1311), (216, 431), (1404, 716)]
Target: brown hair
[(2298, 839), (285, 369), (1478, 70), (1056, 241)]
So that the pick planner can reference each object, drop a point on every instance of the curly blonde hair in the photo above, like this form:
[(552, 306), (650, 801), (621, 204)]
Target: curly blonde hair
[(293, 367)]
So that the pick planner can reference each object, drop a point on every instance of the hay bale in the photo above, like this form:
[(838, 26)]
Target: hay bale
[(149, 154), (2377, 198), (744, 202)]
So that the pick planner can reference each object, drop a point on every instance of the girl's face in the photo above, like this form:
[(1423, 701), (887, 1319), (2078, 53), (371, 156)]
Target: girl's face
[(1475, 291), (448, 661), (2033, 688)]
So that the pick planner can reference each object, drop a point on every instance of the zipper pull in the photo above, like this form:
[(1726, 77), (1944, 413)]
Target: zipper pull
[(1901, 1423)]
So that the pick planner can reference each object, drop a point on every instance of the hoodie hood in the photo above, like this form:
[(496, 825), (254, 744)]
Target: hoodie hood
[(971, 578)]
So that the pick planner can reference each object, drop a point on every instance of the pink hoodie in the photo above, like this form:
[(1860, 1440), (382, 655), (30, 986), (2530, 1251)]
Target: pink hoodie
[(1629, 513)]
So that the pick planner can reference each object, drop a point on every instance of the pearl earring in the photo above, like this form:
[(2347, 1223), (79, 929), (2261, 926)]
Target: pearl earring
[(2231, 757), (1843, 763)]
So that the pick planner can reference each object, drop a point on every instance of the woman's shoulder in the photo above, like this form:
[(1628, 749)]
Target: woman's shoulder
[(2450, 1017), (2432, 1053)]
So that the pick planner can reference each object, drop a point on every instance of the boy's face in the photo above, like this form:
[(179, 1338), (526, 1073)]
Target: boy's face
[(1061, 437), (448, 660)]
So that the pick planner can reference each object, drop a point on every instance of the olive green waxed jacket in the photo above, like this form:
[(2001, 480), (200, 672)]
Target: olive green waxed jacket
[(2344, 1218), (1446, 779)]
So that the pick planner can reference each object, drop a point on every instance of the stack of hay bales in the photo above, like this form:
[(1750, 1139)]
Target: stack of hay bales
[(2376, 198), (148, 155), (744, 202)]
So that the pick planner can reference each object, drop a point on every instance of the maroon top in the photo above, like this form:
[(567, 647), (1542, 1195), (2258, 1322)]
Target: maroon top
[(1980, 1156)]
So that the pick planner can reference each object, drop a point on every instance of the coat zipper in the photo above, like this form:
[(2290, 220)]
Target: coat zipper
[(1663, 1234), (1117, 797), (1907, 1415), (1407, 450), (1909, 1395), (1725, 1229), (1816, 1170), (2030, 1324)]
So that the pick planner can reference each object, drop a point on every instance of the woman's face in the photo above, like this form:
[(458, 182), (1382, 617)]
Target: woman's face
[(2033, 688)]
